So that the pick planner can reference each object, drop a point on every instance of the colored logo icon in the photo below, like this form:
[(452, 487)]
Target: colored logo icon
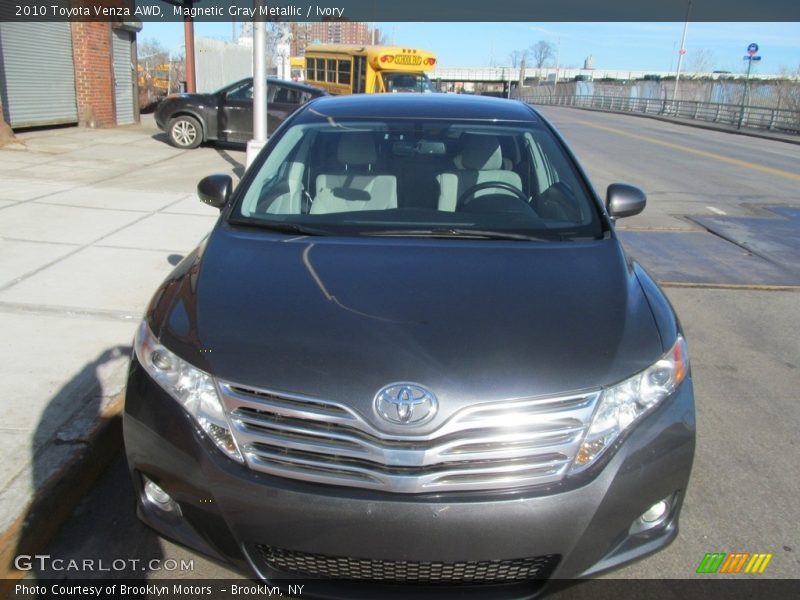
[(735, 562)]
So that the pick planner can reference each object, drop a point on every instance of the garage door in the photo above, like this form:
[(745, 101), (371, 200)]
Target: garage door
[(123, 77), (37, 78)]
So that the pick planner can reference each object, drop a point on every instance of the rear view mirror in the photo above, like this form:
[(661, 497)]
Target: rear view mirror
[(623, 200), (215, 190)]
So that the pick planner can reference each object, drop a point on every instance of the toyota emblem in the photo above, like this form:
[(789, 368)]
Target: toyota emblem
[(405, 404)]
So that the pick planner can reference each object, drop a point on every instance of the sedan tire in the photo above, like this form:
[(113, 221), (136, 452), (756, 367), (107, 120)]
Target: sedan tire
[(185, 132)]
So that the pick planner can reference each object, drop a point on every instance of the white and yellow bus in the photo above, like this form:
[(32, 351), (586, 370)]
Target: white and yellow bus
[(344, 69)]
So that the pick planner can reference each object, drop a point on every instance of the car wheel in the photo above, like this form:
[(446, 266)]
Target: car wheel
[(185, 132)]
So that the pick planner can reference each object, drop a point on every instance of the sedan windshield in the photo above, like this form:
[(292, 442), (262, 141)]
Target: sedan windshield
[(420, 178)]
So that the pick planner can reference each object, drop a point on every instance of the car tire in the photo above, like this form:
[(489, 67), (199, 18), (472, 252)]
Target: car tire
[(185, 132)]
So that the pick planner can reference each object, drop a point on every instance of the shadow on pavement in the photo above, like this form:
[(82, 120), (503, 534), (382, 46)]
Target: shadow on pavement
[(238, 168), (161, 137), (104, 529), (78, 435)]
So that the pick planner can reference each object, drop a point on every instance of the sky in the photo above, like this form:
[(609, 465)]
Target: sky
[(625, 46)]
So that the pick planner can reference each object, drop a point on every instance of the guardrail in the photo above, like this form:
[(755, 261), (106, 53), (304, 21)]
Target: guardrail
[(774, 119)]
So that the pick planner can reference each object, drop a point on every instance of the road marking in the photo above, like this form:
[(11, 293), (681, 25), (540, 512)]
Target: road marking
[(713, 155), (757, 287), (716, 210)]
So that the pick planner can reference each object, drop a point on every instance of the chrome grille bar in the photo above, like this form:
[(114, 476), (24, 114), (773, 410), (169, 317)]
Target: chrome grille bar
[(488, 446)]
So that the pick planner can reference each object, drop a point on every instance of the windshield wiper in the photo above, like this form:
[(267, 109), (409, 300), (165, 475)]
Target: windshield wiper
[(453, 232), (279, 226)]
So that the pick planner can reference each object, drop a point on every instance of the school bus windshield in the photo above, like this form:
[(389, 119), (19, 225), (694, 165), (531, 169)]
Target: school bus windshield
[(406, 82)]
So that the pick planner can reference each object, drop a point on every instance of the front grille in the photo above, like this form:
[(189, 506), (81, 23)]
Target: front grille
[(490, 446), (365, 569)]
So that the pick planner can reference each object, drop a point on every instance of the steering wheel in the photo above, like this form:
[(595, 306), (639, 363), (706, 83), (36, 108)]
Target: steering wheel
[(469, 194)]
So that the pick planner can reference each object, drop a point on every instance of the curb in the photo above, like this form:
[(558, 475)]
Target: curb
[(786, 138), (55, 500)]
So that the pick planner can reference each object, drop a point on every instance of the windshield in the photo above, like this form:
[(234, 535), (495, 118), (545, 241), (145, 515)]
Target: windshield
[(419, 178), (406, 82)]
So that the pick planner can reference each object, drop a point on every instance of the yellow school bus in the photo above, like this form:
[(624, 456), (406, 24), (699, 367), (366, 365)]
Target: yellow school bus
[(297, 67), (344, 69)]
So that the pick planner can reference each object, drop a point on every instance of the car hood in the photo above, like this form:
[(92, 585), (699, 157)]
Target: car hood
[(471, 320)]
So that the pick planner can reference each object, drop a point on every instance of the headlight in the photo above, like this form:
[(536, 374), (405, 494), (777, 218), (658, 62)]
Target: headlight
[(623, 404), (192, 388)]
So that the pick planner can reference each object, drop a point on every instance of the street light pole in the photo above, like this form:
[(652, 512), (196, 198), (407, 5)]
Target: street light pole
[(745, 92), (259, 86)]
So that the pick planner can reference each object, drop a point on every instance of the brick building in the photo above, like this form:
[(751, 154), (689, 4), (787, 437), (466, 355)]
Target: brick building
[(331, 32), (58, 73)]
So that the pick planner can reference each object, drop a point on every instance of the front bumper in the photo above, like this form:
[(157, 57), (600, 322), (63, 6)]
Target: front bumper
[(232, 513)]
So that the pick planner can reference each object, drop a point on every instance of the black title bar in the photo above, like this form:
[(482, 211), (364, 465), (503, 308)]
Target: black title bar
[(402, 10)]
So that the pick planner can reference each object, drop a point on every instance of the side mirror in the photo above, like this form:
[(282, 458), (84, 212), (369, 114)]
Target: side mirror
[(215, 190), (623, 200)]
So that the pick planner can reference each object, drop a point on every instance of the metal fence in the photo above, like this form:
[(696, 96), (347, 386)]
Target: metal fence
[(220, 63), (774, 119)]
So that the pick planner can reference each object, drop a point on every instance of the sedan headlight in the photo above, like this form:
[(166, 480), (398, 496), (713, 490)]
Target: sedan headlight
[(625, 403), (194, 389)]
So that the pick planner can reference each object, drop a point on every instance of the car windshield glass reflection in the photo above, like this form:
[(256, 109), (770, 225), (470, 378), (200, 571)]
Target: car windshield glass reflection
[(424, 177)]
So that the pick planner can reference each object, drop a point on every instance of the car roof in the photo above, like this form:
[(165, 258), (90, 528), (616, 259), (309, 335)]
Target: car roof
[(284, 82), (303, 87), (428, 106)]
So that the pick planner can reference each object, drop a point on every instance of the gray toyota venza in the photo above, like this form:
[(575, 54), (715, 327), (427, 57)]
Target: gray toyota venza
[(412, 351)]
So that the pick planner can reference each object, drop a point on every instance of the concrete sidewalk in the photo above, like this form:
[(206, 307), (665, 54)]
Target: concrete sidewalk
[(91, 221)]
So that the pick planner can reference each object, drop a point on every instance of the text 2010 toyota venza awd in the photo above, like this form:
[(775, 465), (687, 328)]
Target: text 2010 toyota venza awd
[(412, 349)]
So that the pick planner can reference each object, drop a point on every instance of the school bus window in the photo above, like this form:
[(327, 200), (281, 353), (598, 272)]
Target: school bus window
[(344, 72), (311, 65), (320, 70), (331, 70)]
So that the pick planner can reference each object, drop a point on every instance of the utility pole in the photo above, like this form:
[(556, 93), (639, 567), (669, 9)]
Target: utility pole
[(681, 52), (188, 34), (558, 63)]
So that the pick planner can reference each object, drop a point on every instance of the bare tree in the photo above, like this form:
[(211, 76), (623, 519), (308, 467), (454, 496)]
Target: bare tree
[(702, 61), (153, 72), (517, 57), (787, 91), (151, 48), (541, 53)]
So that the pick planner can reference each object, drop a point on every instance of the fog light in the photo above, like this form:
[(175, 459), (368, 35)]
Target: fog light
[(159, 498), (655, 512), (655, 517)]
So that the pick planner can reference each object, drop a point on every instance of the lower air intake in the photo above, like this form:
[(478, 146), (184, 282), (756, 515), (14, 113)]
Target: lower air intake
[(365, 569)]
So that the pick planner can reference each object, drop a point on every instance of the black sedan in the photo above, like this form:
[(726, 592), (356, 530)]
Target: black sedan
[(413, 350), (227, 114)]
